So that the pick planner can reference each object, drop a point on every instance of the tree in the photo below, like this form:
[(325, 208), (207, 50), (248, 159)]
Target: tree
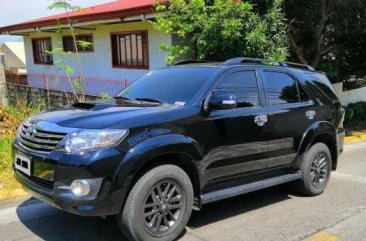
[(328, 35), (222, 29), (63, 63), (347, 41)]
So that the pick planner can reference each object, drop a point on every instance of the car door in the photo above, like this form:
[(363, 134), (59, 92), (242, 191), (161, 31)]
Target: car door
[(235, 144), (290, 113)]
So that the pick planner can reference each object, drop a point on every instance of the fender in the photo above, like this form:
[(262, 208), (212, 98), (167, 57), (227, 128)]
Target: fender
[(143, 152), (316, 129)]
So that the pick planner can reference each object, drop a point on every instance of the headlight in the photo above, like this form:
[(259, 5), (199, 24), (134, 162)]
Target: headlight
[(86, 140)]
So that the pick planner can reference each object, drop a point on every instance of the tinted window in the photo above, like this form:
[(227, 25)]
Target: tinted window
[(326, 90), (322, 82), (170, 85), (243, 85), (281, 88), (303, 95)]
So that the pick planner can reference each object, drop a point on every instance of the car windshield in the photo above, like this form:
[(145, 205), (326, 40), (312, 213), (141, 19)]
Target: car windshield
[(173, 86)]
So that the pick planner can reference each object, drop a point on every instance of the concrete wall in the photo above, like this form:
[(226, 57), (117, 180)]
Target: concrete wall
[(353, 96), (99, 63), (350, 96), (48, 99), (3, 100), (338, 87)]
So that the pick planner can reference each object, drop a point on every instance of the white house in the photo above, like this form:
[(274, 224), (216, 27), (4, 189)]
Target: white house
[(124, 46), (14, 55)]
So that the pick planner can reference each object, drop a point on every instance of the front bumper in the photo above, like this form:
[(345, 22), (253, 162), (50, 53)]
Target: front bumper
[(101, 206), (100, 165)]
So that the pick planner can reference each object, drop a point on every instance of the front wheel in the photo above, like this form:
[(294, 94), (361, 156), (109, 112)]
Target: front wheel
[(158, 206), (315, 168)]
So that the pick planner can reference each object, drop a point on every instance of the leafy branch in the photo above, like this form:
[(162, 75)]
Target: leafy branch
[(77, 84), (222, 29)]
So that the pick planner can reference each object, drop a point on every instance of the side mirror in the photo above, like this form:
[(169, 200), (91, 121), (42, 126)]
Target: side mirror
[(222, 101)]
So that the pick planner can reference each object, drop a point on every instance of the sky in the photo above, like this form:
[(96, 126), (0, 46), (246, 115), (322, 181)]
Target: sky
[(17, 11)]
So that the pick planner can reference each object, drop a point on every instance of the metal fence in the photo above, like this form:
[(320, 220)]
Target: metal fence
[(92, 85), (12, 76)]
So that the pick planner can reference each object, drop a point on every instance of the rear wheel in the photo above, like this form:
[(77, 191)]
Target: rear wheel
[(158, 206), (315, 168)]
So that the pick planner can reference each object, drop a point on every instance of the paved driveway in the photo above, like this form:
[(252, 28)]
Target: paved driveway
[(271, 214)]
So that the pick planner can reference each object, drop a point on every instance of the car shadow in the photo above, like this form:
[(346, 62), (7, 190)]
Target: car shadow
[(228, 208), (51, 224)]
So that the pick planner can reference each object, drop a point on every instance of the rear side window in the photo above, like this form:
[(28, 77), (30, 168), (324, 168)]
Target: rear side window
[(326, 87), (244, 85), (321, 81), (283, 89)]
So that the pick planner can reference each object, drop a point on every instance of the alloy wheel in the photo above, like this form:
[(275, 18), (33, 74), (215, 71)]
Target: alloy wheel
[(319, 170), (163, 207)]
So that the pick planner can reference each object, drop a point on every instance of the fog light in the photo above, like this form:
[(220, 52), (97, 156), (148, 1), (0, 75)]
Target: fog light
[(80, 188)]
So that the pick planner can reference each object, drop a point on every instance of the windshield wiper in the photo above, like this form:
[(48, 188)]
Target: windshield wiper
[(146, 99)]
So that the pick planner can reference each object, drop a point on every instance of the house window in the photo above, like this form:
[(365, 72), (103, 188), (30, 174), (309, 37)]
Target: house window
[(130, 50), (40, 48), (69, 46)]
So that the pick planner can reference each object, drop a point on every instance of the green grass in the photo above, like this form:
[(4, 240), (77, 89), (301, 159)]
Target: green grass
[(6, 172), (14, 115)]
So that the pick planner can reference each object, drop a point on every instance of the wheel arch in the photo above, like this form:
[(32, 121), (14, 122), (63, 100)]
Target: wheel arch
[(174, 149), (324, 132), (181, 160)]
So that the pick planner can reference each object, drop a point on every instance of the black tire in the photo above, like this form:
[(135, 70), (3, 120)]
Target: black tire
[(133, 221), (315, 167)]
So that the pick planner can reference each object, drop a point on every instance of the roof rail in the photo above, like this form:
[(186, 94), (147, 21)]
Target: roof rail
[(243, 60), (297, 65), (190, 62)]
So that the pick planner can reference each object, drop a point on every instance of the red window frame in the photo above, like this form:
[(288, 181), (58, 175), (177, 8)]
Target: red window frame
[(39, 47), (130, 49)]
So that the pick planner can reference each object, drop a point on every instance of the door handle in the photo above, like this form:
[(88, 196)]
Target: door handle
[(260, 120), (310, 114)]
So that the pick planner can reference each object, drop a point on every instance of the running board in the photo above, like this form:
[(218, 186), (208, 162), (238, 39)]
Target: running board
[(250, 187)]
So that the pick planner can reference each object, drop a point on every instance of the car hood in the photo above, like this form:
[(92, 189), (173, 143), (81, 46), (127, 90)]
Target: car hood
[(101, 115)]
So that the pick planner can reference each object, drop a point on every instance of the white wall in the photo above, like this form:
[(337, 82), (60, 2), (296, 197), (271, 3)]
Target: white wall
[(350, 96), (99, 63), (338, 87), (11, 60), (353, 96)]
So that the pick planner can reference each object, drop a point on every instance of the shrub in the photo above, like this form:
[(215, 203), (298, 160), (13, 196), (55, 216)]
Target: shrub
[(349, 114), (356, 112)]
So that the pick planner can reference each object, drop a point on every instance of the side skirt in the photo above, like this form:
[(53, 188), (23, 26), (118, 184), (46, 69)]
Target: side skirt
[(249, 187)]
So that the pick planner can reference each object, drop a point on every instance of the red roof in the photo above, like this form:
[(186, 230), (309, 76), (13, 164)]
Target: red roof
[(116, 9)]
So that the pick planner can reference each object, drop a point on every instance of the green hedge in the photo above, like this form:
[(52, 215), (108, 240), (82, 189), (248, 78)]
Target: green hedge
[(356, 112)]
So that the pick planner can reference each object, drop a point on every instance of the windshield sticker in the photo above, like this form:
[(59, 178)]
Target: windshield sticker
[(181, 103)]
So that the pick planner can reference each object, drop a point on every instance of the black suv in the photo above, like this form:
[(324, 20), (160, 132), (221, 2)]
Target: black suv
[(181, 137)]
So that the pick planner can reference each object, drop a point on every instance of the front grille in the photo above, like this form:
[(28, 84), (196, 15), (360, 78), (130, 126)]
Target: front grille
[(35, 182), (39, 140)]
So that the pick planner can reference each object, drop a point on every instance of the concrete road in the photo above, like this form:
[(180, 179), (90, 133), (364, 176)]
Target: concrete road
[(271, 214)]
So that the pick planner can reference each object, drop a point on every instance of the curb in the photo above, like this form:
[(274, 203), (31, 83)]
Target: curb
[(356, 137)]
